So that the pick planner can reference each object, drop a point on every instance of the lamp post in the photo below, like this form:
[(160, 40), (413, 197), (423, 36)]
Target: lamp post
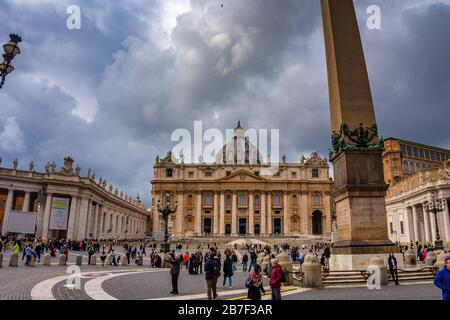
[(11, 49), (435, 207), (166, 210)]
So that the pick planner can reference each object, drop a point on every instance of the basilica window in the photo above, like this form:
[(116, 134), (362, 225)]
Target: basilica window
[(294, 175), (257, 201), (191, 174), (316, 200), (315, 173), (169, 173), (228, 201), (208, 174), (208, 200), (242, 200), (190, 200), (277, 200)]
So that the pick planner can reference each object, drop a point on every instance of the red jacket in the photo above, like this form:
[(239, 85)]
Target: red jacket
[(276, 277)]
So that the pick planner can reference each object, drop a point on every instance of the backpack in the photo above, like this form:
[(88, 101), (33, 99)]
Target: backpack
[(216, 269)]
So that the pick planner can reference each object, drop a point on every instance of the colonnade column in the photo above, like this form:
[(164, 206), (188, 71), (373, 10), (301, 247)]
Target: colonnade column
[(8, 207), (426, 222), (46, 222), (26, 202), (446, 221), (72, 216), (83, 215)]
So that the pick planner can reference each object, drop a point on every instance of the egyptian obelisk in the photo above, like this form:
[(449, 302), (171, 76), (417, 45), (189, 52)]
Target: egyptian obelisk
[(356, 152)]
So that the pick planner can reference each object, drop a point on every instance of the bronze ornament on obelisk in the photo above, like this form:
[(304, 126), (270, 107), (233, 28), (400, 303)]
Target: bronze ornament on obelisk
[(356, 147)]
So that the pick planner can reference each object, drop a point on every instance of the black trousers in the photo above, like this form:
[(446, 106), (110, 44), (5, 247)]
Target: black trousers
[(394, 275), (175, 283)]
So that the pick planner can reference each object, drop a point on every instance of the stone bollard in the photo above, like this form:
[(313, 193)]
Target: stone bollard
[(410, 259), (93, 260), (13, 259), (1, 259), (47, 260), (312, 271), (62, 260), (265, 264), (430, 259), (79, 260), (124, 260), (32, 261), (108, 261), (381, 278), (440, 262), (286, 266)]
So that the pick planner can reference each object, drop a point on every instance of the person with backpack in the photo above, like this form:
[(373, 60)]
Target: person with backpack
[(276, 278), (212, 274), (174, 271)]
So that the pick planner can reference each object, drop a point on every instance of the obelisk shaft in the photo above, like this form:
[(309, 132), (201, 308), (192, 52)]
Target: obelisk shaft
[(348, 81)]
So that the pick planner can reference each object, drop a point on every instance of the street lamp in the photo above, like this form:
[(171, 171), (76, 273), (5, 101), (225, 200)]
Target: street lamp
[(11, 49), (166, 211), (435, 207)]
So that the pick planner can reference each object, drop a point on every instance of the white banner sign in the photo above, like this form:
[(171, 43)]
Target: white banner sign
[(21, 222), (59, 215)]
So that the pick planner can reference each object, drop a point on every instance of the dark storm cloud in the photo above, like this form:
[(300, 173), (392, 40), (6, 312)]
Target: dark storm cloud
[(112, 93)]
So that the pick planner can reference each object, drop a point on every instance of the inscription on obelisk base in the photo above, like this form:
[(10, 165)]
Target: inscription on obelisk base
[(356, 151)]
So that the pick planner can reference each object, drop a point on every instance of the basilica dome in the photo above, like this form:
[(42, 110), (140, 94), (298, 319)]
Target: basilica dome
[(239, 150)]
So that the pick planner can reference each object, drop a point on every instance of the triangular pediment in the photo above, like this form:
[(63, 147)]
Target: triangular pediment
[(243, 176)]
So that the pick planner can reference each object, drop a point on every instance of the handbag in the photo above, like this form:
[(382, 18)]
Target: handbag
[(248, 282)]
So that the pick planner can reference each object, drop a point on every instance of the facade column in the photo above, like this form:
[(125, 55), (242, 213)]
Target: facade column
[(96, 218), (269, 213), (155, 214), (179, 215), (8, 207), (46, 222), (251, 215), (222, 213), (216, 214), (426, 222), (198, 215), (107, 223), (415, 217), (286, 221), (433, 226), (304, 215), (26, 202), (263, 229), (233, 214), (84, 207), (72, 216), (446, 221)]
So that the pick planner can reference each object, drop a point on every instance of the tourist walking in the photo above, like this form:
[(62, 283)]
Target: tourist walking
[(227, 271), (442, 280), (276, 278), (234, 261), (244, 262), (212, 273), (392, 262), (174, 271), (255, 285), (103, 258)]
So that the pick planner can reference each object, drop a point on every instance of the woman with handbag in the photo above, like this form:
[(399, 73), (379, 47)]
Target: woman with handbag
[(254, 284)]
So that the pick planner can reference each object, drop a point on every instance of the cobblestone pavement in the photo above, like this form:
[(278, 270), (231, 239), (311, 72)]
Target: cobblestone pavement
[(17, 284)]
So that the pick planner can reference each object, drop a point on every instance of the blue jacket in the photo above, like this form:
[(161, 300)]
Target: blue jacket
[(442, 281)]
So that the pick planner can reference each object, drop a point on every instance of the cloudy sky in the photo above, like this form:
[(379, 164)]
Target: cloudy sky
[(111, 94)]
